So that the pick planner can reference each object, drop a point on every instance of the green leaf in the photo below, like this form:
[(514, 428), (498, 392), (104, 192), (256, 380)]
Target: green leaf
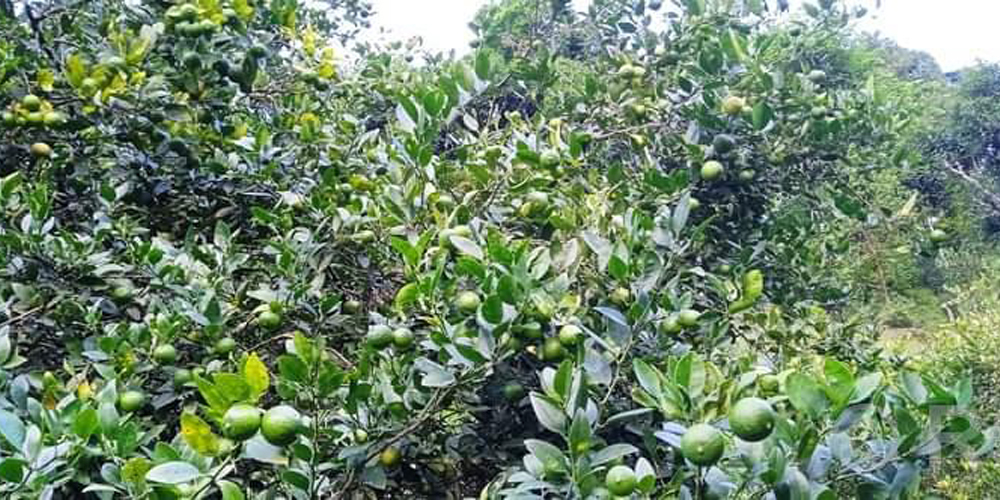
[(467, 247), (173, 473), (230, 491), (806, 395), (12, 470), (611, 453), (435, 375), (762, 115), (86, 423), (579, 433), (407, 294), (839, 380), (648, 377), (11, 428), (232, 387), (292, 368), (483, 65), (256, 376), (548, 414)]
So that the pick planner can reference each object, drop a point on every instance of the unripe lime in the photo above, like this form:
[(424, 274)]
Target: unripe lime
[(402, 338), (467, 302), (241, 421), (938, 236), (712, 170), (130, 401), (269, 320), (41, 150), (703, 445), (723, 143), (513, 392), (182, 376), (733, 105), (390, 457), (688, 318), (569, 335), (670, 326), (620, 480), (352, 307), (752, 419), (621, 296), (54, 119), (31, 102), (165, 354), (747, 175), (224, 346), (281, 425), (553, 350), (379, 336)]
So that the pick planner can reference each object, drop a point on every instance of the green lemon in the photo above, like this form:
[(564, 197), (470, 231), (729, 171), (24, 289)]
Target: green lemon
[(269, 320), (352, 306), (130, 401), (670, 326), (703, 445), (770, 384), (723, 143), (938, 236), (747, 175), (54, 119), (621, 296), (531, 330), (182, 376), (31, 102), (403, 338), (467, 302), (620, 480), (41, 150), (225, 345), (513, 392), (693, 204), (688, 318), (379, 336), (752, 419), (733, 105), (165, 354), (390, 457), (241, 421), (280, 425), (569, 335), (712, 170), (553, 350)]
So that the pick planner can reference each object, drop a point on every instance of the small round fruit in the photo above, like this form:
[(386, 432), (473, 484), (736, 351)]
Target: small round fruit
[(703, 445), (467, 302), (225, 345), (121, 293), (513, 392), (269, 320), (817, 76), (621, 296), (379, 336), (733, 105), (9, 119), (182, 376), (538, 199), (352, 307), (403, 338), (241, 422), (192, 61), (360, 436), (670, 326), (569, 335), (938, 236), (553, 350), (770, 384), (54, 119), (280, 425), (165, 354), (531, 330), (752, 419), (41, 150), (620, 480), (723, 143), (31, 102), (390, 457), (130, 401), (688, 318), (712, 170), (693, 204), (725, 269), (747, 175)]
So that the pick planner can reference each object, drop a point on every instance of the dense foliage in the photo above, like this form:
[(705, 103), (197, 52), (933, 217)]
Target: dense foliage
[(624, 252)]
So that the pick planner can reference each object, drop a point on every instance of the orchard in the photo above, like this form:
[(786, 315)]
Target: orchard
[(620, 253)]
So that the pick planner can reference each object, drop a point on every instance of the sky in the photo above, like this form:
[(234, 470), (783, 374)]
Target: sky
[(956, 35)]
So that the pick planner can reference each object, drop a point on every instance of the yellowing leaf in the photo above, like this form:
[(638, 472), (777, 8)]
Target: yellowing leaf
[(76, 70), (309, 40), (243, 9), (256, 375), (46, 79), (198, 435), (134, 471)]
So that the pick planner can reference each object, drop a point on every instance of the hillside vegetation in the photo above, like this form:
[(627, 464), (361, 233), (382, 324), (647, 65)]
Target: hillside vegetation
[(695, 249)]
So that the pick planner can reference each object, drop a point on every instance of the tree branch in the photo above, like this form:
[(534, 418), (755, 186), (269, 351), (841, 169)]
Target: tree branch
[(992, 198)]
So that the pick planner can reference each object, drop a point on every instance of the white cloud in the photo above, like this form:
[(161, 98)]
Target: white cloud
[(956, 33)]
